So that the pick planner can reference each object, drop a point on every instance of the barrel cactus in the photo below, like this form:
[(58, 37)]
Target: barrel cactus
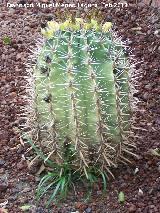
[(80, 102)]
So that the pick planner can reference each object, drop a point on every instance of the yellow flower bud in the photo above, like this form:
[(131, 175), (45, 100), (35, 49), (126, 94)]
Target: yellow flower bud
[(79, 20), (53, 25), (65, 25), (106, 26), (48, 33), (87, 26), (78, 23), (95, 24)]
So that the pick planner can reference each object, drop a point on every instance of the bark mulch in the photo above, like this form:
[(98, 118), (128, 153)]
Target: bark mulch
[(140, 182)]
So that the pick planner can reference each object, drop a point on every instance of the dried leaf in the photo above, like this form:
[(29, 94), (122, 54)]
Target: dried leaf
[(155, 152), (25, 207), (21, 141), (41, 169), (136, 28)]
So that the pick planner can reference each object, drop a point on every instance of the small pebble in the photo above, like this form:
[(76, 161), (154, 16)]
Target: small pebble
[(88, 210), (132, 208), (2, 162)]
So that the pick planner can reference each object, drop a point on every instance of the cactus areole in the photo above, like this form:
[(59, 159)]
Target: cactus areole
[(81, 94)]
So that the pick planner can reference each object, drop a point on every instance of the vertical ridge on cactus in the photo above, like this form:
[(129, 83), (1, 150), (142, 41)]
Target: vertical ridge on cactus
[(82, 90)]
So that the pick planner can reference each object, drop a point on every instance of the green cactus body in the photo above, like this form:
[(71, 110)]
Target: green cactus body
[(82, 94)]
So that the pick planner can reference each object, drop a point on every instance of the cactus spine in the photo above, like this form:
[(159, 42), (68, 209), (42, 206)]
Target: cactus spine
[(82, 94)]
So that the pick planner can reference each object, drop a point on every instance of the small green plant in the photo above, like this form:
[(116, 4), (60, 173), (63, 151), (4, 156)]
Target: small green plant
[(121, 197), (58, 181), (7, 40), (80, 106)]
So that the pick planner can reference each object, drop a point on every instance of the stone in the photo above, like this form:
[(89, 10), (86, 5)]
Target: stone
[(145, 96), (132, 208), (2, 171), (22, 164), (3, 187), (2, 162), (88, 210)]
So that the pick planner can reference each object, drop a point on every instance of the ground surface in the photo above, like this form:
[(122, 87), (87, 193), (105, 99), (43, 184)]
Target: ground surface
[(139, 24)]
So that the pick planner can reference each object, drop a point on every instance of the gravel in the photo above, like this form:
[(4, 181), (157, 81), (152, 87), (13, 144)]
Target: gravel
[(140, 24)]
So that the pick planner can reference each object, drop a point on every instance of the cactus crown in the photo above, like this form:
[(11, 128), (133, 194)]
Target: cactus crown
[(73, 25), (81, 102)]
